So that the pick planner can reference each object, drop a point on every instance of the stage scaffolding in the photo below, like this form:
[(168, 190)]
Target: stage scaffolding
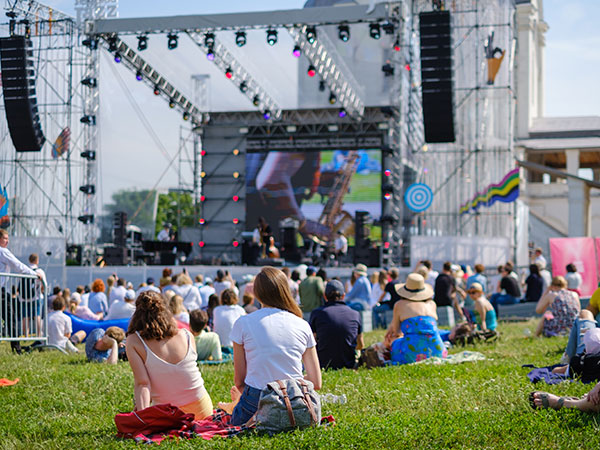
[(483, 151)]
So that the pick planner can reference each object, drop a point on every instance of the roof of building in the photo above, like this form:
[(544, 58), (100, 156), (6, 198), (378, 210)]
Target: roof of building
[(583, 126)]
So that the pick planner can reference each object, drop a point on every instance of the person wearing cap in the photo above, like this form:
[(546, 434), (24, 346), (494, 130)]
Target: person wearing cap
[(415, 317), (149, 287), (311, 292), (164, 235), (122, 309), (480, 308), (337, 329), (360, 295)]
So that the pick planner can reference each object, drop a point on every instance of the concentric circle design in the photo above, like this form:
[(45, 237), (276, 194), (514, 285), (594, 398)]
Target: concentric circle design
[(418, 197)]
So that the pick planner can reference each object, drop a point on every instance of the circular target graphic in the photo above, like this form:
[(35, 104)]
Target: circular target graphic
[(418, 197)]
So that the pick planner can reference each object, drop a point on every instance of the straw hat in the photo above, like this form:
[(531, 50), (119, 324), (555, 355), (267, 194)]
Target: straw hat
[(415, 289), (475, 287), (361, 269)]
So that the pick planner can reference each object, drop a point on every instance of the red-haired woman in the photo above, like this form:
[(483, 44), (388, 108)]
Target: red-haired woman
[(270, 344), (97, 301), (163, 359)]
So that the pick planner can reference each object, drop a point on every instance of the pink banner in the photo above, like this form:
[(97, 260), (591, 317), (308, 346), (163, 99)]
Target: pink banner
[(582, 253)]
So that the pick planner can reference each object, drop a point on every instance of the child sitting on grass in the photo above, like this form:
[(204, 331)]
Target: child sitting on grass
[(60, 327), (208, 344)]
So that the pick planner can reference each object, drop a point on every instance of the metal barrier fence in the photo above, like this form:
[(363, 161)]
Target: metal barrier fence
[(23, 308)]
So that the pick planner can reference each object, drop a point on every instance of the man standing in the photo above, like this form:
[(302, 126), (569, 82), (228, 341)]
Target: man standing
[(311, 292), (445, 286), (34, 306), (360, 294), (340, 246), (164, 235), (538, 258), (337, 329)]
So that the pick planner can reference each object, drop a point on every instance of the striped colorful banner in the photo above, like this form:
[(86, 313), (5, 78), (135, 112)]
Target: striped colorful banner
[(4, 203), (506, 191)]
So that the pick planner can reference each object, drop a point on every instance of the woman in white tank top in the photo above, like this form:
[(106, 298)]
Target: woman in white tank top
[(163, 360)]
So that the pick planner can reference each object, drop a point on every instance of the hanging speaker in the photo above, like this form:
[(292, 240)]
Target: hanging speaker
[(20, 101), (436, 76)]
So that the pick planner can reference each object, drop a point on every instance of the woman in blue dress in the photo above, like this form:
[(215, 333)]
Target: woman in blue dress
[(415, 321)]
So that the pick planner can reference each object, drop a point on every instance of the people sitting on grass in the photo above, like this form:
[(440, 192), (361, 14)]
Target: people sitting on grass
[(97, 301), (60, 327), (359, 297), (337, 329), (163, 360), (83, 312), (574, 280), (534, 284), (122, 309), (273, 343), (225, 315), (311, 292), (208, 344), (213, 301), (508, 290), (190, 293), (414, 325), (560, 307), (104, 346), (248, 302), (479, 309), (589, 402), (478, 277), (178, 310)]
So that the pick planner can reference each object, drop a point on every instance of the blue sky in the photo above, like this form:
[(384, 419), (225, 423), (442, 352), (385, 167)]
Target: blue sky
[(572, 65)]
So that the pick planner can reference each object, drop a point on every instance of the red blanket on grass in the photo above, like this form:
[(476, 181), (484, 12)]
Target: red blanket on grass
[(156, 423)]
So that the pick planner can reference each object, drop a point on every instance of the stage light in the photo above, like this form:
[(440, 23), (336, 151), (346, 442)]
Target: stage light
[(201, 221), (256, 100), (142, 43), (88, 189), (235, 243), (235, 198), (186, 116), (388, 28), (202, 198), (386, 245), (291, 128), (397, 45), (312, 71), (425, 147), (86, 219), (344, 33), (407, 67), (89, 82), (229, 73), (271, 37), (139, 76), (425, 170), (202, 152), (235, 220), (172, 41), (388, 70), (236, 174), (240, 38), (88, 120), (342, 113), (117, 57), (244, 87), (374, 31), (267, 114), (156, 90), (202, 174), (387, 195), (332, 99), (112, 44), (201, 244), (90, 155), (387, 172), (209, 39), (172, 103), (236, 151), (297, 51), (311, 34), (332, 128), (210, 54)]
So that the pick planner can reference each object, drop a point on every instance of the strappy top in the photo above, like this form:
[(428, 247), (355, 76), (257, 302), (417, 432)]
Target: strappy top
[(178, 384)]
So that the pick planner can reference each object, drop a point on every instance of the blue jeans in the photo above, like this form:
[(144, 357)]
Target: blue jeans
[(502, 299), (358, 305), (575, 346), (379, 313), (246, 407)]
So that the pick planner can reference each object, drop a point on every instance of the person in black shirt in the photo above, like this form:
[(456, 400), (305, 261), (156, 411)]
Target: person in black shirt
[(510, 285), (388, 305), (445, 286), (337, 329), (534, 283)]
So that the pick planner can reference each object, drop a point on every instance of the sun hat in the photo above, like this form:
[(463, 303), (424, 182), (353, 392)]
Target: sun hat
[(475, 287), (361, 269), (415, 288)]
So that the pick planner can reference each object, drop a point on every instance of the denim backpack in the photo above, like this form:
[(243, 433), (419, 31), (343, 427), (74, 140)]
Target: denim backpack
[(285, 405)]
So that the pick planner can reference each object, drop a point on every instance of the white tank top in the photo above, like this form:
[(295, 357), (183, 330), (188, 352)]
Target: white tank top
[(178, 384)]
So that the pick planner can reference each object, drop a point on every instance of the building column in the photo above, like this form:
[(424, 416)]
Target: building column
[(578, 199)]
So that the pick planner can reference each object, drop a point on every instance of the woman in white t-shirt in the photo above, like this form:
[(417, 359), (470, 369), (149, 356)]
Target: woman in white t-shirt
[(191, 295), (270, 344), (225, 315)]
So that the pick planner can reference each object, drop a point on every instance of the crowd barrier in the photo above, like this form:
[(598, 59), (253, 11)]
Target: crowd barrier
[(23, 308)]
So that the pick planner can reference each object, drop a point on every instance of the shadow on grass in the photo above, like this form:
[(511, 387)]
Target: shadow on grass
[(575, 420), (76, 362)]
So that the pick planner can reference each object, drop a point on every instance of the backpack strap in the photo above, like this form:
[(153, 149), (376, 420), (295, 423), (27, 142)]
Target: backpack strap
[(287, 402), (308, 401)]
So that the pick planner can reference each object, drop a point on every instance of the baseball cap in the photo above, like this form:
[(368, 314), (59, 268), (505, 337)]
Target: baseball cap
[(129, 294), (150, 280), (334, 287)]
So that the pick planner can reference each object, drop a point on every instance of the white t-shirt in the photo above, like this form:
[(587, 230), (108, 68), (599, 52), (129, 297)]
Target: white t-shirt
[(84, 299), (376, 292), (120, 310), (224, 317), (274, 342), (59, 324), (205, 292), (574, 280), (117, 294), (220, 286), (191, 297)]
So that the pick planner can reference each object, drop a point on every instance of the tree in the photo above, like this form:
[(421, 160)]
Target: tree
[(176, 208), (130, 202)]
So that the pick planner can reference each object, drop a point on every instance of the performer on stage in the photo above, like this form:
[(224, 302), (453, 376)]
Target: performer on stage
[(265, 235), (164, 235)]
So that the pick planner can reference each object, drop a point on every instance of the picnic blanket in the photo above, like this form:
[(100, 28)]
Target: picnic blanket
[(219, 424), (545, 374), (458, 358), (7, 382)]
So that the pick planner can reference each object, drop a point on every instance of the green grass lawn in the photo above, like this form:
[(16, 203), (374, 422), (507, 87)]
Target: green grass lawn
[(64, 402)]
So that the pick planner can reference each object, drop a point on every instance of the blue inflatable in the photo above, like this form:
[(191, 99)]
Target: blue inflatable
[(89, 325)]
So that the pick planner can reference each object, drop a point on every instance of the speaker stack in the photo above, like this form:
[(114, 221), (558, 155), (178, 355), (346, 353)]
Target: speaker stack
[(18, 87), (436, 76)]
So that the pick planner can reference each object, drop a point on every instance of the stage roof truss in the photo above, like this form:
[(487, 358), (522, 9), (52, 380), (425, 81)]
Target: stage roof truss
[(225, 60)]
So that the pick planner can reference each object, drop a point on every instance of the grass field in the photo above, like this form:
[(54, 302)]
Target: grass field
[(64, 402)]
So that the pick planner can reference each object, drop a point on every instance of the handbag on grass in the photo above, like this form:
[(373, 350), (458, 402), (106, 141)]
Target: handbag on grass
[(285, 405), (154, 419)]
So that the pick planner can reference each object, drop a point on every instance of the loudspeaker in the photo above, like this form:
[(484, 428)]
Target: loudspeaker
[(436, 76), (20, 101), (120, 228), (361, 241), (115, 256)]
